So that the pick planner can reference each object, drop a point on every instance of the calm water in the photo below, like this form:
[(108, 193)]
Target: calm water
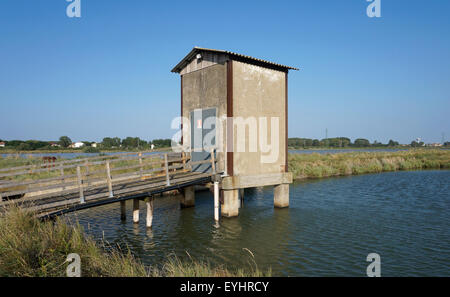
[(329, 229)]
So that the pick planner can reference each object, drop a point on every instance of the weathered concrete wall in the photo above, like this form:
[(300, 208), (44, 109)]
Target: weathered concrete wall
[(258, 92), (207, 60), (206, 88)]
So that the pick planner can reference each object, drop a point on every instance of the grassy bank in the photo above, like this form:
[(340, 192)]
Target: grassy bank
[(10, 161), (326, 165), (31, 248), (94, 171)]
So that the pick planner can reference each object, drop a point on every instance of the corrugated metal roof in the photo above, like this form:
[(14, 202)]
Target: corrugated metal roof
[(189, 57)]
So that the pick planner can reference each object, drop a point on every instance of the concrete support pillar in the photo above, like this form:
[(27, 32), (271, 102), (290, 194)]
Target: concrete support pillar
[(281, 196), (123, 210), (149, 204), (188, 199), (230, 206), (135, 211)]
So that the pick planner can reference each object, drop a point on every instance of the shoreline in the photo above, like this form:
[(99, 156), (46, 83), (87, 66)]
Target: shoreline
[(25, 242), (306, 179), (316, 166)]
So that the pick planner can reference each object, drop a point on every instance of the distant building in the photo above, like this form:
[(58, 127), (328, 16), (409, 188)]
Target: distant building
[(76, 145), (2, 144), (94, 144), (434, 144), (55, 144)]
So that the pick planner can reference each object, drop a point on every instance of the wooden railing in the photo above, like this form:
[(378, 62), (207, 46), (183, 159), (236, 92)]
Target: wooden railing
[(78, 176)]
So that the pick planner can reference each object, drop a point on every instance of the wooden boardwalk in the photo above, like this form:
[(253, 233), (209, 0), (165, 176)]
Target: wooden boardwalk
[(52, 189)]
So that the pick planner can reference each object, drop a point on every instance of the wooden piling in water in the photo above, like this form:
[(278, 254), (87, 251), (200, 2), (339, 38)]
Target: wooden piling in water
[(136, 211), (216, 201), (123, 210), (149, 204)]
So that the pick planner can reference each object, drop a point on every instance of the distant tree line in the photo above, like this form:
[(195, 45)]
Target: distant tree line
[(107, 143), (337, 142), (417, 143), (28, 145), (134, 142), (137, 143)]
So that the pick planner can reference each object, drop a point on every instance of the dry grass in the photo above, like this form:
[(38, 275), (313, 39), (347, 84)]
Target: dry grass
[(326, 165), (174, 267), (32, 248), (92, 171)]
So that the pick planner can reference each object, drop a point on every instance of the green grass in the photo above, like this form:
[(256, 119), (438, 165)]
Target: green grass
[(53, 172), (32, 248), (16, 161), (326, 165)]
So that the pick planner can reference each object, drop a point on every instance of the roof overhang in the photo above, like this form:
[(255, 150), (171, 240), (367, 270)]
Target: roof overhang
[(234, 56)]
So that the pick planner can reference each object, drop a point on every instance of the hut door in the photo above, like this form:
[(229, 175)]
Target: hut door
[(203, 137)]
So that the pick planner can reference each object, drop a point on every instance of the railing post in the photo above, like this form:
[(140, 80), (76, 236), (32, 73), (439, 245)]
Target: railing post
[(189, 163), (61, 170), (86, 165), (213, 161), (109, 180), (183, 157), (140, 163), (80, 184), (166, 164)]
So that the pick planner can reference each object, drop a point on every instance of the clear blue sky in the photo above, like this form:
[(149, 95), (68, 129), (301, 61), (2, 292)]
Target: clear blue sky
[(108, 73)]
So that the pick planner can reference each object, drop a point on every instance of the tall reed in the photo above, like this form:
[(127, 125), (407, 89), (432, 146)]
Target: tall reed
[(30, 247), (340, 164)]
